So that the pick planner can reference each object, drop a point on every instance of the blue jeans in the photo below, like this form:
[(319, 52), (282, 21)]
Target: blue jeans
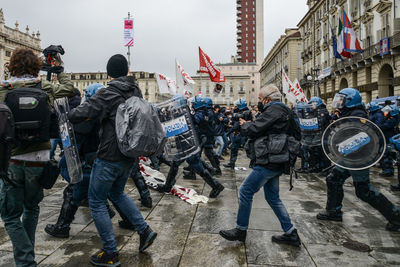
[(220, 142), (262, 177), (226, 141), (21, 199), (108, 179)]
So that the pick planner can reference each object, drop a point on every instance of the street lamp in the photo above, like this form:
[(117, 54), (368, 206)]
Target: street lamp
[(314, 80)]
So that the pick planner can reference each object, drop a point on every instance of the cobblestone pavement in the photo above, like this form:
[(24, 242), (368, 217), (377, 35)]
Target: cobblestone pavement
[(188, 234)]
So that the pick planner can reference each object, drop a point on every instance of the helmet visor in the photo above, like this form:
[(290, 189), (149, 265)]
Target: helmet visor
[(339, 101)]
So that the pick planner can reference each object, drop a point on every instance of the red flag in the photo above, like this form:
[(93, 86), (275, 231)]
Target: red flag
[(207, 66)]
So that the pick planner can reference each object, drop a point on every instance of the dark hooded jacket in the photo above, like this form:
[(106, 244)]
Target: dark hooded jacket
[(103, 106)]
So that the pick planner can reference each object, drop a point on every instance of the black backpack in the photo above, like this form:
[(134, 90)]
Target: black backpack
[(32, 115), (6, 138)]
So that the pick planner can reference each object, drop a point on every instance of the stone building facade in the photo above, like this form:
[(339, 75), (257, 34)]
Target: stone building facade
[(374, 74), (12, 38), (285, 54), (146, 81), (241, 82)]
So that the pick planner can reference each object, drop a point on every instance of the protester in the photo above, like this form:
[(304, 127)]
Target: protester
[(349, 102), (111, 168), (274, 119), (21, 193)]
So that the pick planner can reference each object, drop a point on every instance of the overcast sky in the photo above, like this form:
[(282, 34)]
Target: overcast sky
[(91, 30)]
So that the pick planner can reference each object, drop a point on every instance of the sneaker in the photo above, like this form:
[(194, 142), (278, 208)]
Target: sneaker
[(292, 239), (102, 258), (147, 238), (126, 225), (326, 216), (216, 191), (234, 234)]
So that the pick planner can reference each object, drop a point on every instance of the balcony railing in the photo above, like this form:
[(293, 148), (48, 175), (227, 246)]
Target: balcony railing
[(368, 53)]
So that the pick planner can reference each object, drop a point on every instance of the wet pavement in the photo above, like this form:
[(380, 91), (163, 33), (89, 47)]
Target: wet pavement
[(188, 234)]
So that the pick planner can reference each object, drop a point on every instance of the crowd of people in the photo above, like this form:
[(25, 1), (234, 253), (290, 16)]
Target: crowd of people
[(272, 134)]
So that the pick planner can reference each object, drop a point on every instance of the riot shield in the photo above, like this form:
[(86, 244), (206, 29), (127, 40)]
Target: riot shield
[(67, 136), (182, 140), (311, 131), (353, 143)]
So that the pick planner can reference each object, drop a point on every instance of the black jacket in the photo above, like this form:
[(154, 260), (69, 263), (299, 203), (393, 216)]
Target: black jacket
[(103, 106), (273, 120)]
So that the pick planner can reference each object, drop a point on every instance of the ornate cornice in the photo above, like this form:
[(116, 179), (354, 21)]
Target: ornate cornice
[(383, 6)]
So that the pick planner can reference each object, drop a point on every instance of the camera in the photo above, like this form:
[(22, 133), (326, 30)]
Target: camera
[(52, 55)]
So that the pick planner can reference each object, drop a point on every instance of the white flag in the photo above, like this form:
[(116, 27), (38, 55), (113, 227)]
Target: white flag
[(183, 80), (166, 85), (292, 91)]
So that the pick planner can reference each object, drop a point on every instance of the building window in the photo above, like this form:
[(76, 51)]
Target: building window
[(8, 54), (252, 82), (247, 48), (231, 89)]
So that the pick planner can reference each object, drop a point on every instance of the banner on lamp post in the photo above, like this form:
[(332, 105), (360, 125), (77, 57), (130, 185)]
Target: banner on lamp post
[(128, 32)]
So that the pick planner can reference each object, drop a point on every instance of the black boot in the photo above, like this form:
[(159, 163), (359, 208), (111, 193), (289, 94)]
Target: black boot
[(189, 175), (234, 234), (170, 182), (395, 187), (125, 223), (230, 165), (334, 183), (208, 167), (147, 238), (292, 239), (217, 188), (330, 216), (147, 202), (67, 213)]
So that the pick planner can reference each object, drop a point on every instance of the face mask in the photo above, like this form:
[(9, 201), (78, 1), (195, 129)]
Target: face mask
[(260, 106)]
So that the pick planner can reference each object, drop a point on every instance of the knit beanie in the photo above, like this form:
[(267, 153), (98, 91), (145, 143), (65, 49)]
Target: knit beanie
[(117, 66)]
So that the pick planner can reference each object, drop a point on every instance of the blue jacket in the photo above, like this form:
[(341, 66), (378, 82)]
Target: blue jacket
[(377, 117), (220, 125)]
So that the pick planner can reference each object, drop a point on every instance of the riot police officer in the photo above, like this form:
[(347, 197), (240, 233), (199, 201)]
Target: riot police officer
[(317, 157), (194, 161), (241, 111), (389, 129), (206, 119), (313, 121), (349, 102)]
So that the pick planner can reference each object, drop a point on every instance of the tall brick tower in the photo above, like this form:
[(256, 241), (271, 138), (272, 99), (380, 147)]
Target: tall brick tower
[(250, 31)]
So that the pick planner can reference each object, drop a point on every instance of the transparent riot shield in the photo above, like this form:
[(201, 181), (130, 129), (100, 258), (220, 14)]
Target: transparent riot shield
[(353, 143), (67, 136), (182, 139), (311, 131)]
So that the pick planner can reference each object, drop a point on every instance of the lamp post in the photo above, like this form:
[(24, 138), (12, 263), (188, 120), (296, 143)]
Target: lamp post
[(314, 80)]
